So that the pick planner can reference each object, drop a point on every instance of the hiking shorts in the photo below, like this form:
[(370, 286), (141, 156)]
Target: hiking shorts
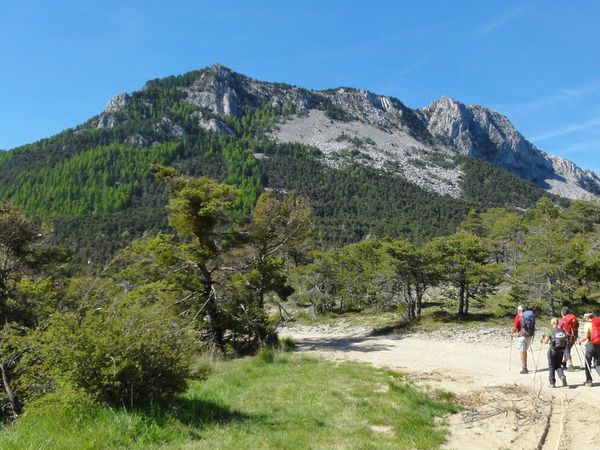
[(523, 343)]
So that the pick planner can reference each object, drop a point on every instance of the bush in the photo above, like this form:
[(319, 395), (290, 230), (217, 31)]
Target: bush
[(201, 368), (129, 352), (66, 404), (287, 344), (266, 355)]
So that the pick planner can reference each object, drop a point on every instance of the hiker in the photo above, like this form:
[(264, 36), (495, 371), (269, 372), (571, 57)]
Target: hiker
[(570, 325), (557, 338), (524, 326), (591, 335)]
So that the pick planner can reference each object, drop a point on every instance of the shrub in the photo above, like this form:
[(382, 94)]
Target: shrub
[(287, 344), (129, 352), (266, 355)]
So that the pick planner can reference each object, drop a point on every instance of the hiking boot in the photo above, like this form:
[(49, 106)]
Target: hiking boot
[(564, 380), (588, 383), (524, 370), (552, 385), (571, 368)]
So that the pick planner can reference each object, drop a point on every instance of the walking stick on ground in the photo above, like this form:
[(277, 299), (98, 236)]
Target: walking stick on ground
[(534, 360), (537, 361), (510, 351), (578, 354)]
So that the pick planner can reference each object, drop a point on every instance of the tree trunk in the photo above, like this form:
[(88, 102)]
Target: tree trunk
[(212, 309), (419, 292), (410, 307), (12, 399), (461, 300)]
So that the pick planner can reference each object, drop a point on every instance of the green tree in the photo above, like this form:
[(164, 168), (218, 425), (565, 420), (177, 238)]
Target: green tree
[(504, 236), (345, 279), (202, 208), (19, 238), (19, 257), (552, 265), (411, 274), (473, 223), (580, 217), (462, 262), (276, 226)]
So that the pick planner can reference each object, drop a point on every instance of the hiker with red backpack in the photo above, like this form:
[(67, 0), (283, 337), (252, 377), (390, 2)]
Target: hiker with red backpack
[(524, 326), (557, 338), (592, 348), (570, 325)]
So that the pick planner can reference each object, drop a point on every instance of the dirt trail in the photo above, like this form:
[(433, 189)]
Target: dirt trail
[(497, 416)]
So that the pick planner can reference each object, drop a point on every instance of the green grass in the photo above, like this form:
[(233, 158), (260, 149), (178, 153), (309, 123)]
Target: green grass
[(289, 403)]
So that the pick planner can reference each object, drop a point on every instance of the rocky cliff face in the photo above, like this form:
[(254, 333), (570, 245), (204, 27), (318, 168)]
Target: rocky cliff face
[(379, 131), (223, 91), (482, 133)]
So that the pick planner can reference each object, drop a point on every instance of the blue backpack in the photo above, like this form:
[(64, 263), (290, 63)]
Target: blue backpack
[(528, 323)]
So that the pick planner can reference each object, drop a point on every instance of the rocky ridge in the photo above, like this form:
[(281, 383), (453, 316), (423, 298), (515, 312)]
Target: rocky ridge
[(354, 125)]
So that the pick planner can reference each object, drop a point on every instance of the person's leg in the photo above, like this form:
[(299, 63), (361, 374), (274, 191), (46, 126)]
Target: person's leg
[(589, 354), (558, 358), (522, 347), (597, 357), (567, 358)]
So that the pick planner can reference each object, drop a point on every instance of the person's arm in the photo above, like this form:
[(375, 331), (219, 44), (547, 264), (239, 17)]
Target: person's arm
[(586, 336), (546, 338), (517, 324)]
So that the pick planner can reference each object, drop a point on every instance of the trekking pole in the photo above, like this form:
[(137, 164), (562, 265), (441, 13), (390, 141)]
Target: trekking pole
[(578, 354), (538, 358), (533, 358), (510, 350), (533, 361)]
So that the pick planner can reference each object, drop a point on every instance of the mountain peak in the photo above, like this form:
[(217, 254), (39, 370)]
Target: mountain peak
[(444, 102), (220, 71), (219, 68)]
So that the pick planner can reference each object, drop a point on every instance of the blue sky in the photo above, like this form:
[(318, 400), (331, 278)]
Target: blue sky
[(537, 62)]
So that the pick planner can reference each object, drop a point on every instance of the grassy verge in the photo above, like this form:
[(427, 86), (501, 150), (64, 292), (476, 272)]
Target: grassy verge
[(496, 310), (290, 402)]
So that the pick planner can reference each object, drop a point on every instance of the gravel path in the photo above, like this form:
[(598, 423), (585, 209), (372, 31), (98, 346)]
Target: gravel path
[(505, 410)]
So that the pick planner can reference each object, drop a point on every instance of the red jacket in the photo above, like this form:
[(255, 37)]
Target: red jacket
[(517, 323)]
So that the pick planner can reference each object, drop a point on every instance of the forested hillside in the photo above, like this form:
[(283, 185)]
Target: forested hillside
[(94, 184)]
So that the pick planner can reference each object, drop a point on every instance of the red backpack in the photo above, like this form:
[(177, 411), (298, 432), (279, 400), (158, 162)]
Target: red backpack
[(570, 325), (595, 335)]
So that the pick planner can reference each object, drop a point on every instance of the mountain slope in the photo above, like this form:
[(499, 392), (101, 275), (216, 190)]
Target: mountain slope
[(370, 165), (382, 128)]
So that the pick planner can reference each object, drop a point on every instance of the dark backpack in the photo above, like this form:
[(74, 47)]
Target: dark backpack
[(571, 325), (528, 323), (558, 339), (595, 335)]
